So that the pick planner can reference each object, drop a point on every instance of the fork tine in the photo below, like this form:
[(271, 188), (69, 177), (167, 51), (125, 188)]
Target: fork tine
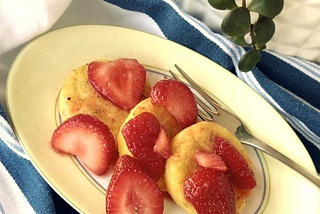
[(209, 99), (205, 106), (205, 113), (197, 88)]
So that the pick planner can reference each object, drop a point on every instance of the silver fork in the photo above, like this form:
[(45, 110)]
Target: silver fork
[(215, 112)]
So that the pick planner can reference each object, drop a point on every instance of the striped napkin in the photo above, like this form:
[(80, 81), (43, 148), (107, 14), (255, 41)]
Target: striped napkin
[(289, 84)]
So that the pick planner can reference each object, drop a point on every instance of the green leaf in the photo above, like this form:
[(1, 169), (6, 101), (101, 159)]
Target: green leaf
[(263, 29), (249, 60), (223, 4), (239, 40), (268, 8), (236, 22)]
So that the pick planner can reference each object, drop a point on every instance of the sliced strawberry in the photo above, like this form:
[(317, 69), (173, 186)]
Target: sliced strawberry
[(238, 170), (88, 138), (132, 191), (124, 162), (210, 160), (177, 98), (141, 134), (210, 192), (162, 145), (121, 81)]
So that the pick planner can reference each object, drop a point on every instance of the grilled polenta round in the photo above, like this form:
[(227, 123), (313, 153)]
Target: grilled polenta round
[(182, 163), (77, 96)]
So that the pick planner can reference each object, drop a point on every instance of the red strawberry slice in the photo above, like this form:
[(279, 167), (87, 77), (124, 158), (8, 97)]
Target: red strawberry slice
[(210, 160), (132, 191), (88, 138), (121, 81), (162, 145), (210, 192), (141, 134), (177, 98), (238, 170), (124, 162)]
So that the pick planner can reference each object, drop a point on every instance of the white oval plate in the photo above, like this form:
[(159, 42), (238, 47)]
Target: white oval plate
[(42, 66)]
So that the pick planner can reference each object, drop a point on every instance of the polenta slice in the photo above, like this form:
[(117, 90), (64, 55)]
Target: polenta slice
[(182, 164), (77, 96)]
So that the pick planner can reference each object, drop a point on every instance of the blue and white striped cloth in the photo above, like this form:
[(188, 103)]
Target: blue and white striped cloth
[(289, 84)]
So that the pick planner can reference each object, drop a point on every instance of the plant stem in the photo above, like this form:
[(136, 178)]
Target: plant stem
[(244, 3), (253, 43)]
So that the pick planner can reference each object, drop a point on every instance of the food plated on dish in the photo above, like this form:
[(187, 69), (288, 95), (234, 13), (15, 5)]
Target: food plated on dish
[(161, 146)]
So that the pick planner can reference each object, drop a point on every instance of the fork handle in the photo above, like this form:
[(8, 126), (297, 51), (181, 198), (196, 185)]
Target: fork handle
[(254, 142)]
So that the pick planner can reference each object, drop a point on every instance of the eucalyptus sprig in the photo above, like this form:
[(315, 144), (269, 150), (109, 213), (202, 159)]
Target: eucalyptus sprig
[(238, 25)]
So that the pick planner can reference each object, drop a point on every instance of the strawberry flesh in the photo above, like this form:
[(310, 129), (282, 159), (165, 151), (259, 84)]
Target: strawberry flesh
[(141, 134), (121, 81), (88, 138), (210, 192), (177, 98), (238, 170), (162, 145), (132, 191), (210, 160)]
